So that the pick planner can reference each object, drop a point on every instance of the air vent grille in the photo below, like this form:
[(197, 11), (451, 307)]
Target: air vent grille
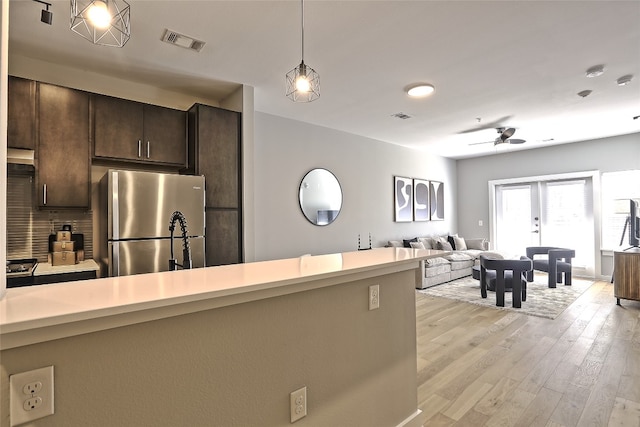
[(401, 116), (187, 42)]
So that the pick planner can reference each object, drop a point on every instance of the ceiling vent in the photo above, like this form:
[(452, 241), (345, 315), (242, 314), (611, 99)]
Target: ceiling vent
[(401, 116), (173, 37)]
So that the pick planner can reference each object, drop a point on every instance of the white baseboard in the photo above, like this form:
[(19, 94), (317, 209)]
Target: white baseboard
[(413, 420)]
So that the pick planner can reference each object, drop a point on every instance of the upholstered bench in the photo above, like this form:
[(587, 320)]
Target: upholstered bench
[(475, 272)]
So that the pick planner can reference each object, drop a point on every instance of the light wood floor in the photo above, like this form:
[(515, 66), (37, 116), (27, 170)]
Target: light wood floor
[(480, 366)]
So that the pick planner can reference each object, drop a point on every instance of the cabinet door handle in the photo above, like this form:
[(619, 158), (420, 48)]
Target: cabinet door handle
[(148, 150), (139, 148), (44, 194)]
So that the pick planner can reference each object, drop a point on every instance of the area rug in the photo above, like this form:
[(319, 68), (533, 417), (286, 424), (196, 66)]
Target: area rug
[(542, 301)]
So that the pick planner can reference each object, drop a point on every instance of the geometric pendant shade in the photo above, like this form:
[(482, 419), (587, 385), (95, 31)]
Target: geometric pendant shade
[(105, 23)]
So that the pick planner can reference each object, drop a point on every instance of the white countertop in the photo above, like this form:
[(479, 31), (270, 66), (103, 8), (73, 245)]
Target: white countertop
[(40, 313), (44, 268)]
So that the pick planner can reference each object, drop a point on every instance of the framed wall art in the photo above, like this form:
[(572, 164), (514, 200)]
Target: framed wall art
[(436, 200), (403, 199), (420, 200)]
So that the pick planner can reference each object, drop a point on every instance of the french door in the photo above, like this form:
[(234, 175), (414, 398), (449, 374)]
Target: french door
[(547, 213)]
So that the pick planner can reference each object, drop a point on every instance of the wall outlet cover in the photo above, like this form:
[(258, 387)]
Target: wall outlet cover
[(298, 401), (30, 395)]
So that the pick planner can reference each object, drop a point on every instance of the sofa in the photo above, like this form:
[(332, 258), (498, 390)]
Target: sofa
[(462, 255)]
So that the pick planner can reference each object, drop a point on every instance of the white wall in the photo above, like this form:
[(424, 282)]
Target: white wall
[(4, 54), (285, 150), (605, 155)]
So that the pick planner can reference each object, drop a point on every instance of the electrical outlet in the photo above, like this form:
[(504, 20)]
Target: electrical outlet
[(480, 223), (32, 388), (31, 395), (32, 403), (298, 400), (374, 297)]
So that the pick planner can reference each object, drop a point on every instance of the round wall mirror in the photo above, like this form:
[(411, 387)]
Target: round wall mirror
[(320, 197)]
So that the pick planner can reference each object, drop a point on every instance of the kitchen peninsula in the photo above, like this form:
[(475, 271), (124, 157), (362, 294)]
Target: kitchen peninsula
[(225, 345)]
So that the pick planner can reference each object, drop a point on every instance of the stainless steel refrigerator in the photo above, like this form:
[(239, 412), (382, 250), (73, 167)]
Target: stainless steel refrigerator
[(138, 208)]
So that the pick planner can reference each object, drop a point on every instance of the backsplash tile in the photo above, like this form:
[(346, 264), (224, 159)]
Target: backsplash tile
[(28, 228)]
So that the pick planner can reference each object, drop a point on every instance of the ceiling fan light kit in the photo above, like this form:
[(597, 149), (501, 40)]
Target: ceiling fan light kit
[(303, 83), (105, 23)]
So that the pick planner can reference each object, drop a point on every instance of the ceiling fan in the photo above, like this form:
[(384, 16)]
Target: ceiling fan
[(489, 125), (504, 137)]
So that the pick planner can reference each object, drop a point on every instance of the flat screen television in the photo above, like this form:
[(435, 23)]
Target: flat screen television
[(634, 223)]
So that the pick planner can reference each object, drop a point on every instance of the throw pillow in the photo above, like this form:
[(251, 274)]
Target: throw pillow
[(461, 245), (444, 246), (442, 239), (475, 244), (452, 242), (417, 245), (427, 242), (407, 243), (394, 244)]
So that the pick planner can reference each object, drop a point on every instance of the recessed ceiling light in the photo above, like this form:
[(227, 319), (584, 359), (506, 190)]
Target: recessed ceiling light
[(595, 71), (584, 93), (420, 90), (624, 80)]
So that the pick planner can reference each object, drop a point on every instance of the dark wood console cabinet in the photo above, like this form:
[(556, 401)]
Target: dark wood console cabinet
[(63, 172), (214, 151), (626, 276), (137, 132)]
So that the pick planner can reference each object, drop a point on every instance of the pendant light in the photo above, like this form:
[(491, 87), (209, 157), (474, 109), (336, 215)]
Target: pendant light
[(303, 83), (102, 22)]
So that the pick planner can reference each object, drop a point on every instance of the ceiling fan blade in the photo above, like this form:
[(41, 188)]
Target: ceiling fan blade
[(516, 141), (507, 133), (491, 125), (479, 143)]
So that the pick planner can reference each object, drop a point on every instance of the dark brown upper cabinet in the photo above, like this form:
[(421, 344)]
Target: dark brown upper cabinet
[(63, 172), (214, 151), (21, 114), (136, 132)]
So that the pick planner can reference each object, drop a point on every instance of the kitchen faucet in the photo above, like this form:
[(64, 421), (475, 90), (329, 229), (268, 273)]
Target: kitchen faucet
[(186, 252)]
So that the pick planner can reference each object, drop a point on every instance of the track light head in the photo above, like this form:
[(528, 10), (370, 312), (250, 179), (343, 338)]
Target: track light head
[(47, 16)]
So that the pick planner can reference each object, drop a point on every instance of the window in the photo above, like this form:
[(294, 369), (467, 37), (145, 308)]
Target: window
[(617, 189)]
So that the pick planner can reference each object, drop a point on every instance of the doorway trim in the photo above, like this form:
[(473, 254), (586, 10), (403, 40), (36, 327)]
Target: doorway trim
[(594, 175)]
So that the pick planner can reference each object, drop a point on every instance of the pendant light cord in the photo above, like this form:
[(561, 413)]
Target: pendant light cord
[(302, 19)]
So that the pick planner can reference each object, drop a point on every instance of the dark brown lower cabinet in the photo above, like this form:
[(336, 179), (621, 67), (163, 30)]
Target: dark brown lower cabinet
[(222, 240), (626, 274), (63, 172)]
